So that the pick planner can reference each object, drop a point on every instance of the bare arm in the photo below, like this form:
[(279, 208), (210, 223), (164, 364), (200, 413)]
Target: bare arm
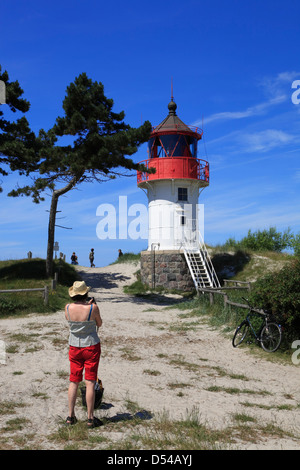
[(66, 316), (96, 312), (98, 318)]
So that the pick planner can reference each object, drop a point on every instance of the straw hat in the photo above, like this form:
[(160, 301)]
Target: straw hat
[(78, 288)]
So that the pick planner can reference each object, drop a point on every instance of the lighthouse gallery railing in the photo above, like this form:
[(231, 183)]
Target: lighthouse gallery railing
[(175, 167)]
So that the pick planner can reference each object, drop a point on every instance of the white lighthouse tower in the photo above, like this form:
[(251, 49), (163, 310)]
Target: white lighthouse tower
[(174, 239)]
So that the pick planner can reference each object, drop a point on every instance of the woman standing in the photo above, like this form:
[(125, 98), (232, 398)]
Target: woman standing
[(84, 320)]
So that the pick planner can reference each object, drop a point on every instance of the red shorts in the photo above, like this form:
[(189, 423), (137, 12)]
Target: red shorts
[(87, 358)]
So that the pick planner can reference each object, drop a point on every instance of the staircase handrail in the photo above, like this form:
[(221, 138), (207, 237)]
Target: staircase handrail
[(211, 268), (200, 247), (189, 260)]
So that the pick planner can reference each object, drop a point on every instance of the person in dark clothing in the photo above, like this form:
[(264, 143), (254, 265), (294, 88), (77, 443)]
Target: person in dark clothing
[(74, 259), (91, 257)]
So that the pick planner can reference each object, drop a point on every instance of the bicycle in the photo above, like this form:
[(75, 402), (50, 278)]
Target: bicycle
[(269, 335)]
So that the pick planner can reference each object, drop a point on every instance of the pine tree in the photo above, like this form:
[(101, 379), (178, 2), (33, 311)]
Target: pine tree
[(19, 147), (102, 143)]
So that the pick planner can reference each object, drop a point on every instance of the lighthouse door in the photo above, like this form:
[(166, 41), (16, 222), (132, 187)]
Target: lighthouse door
[(185, 227), (190, 233), (179, 226)]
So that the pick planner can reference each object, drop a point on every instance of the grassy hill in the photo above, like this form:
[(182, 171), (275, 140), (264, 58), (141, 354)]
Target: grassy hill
[(246, 265), (28, 274)]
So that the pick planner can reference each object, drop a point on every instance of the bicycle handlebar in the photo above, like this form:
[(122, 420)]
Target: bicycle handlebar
[(267, 313), (264, 312), (244, 298)]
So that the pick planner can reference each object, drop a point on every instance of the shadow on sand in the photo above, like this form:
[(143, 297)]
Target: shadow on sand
[(102, 280), (143, 415)]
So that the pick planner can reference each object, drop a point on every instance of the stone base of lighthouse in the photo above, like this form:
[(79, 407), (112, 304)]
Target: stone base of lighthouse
[(167, 269)]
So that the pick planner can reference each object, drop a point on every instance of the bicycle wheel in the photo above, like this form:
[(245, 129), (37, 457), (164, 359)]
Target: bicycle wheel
[(270, 337), (240, 334)]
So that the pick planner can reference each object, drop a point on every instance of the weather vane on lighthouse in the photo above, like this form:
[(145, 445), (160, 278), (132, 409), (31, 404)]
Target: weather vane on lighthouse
[(173, 189)]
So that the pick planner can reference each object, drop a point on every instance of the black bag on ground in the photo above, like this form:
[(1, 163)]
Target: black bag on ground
[(98, 394)]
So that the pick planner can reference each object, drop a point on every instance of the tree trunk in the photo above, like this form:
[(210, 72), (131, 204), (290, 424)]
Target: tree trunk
[(52, 219)]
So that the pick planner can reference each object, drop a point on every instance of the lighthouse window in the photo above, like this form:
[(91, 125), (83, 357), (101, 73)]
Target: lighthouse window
[(182, 219), (193, 147), (154, 148), (182, 194)]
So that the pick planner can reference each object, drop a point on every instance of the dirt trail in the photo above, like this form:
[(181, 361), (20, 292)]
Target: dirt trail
[(155, 357)]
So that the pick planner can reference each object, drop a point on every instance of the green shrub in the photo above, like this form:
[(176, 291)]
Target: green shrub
[(280, 292), (66, 273), (261, 240), (136, 288), (10, 306), (296, 244)]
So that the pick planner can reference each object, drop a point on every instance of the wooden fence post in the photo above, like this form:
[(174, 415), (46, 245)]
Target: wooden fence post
[(46, 295), (54, 281)]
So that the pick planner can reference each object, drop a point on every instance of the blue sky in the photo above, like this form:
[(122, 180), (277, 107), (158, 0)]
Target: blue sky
[(233, 64)]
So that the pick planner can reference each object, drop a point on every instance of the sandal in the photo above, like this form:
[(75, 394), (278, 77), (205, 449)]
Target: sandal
[(71, 420), (94, 423)]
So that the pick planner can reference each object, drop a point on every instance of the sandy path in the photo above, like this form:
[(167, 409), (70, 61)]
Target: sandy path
[(148, 358)]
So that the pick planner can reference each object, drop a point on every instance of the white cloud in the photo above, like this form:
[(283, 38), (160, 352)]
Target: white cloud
[(265, 140), (277, 88), (9, 244), (236, 221), (22, 212), (255, 110), (231, 210)]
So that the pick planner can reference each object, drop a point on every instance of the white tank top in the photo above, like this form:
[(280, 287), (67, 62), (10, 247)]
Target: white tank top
[(83, 333)]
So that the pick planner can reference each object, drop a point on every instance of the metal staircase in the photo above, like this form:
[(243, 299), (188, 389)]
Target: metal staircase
[(200, 266)]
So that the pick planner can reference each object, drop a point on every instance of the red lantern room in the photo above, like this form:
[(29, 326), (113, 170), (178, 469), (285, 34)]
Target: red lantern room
[(172, 149)]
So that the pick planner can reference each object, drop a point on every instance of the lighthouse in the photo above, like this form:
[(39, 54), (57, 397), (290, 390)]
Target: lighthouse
[(176, 256)]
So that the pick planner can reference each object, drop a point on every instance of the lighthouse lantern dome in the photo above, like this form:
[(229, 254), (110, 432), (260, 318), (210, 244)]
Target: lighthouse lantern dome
[(172, 151)]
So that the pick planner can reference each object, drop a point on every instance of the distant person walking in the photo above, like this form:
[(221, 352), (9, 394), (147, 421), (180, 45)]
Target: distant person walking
[(120, 253), (74, 259), (91, 257), (84, 320)]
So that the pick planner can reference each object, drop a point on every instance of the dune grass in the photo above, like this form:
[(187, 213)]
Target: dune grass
[(28, 274), (128, 258)]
